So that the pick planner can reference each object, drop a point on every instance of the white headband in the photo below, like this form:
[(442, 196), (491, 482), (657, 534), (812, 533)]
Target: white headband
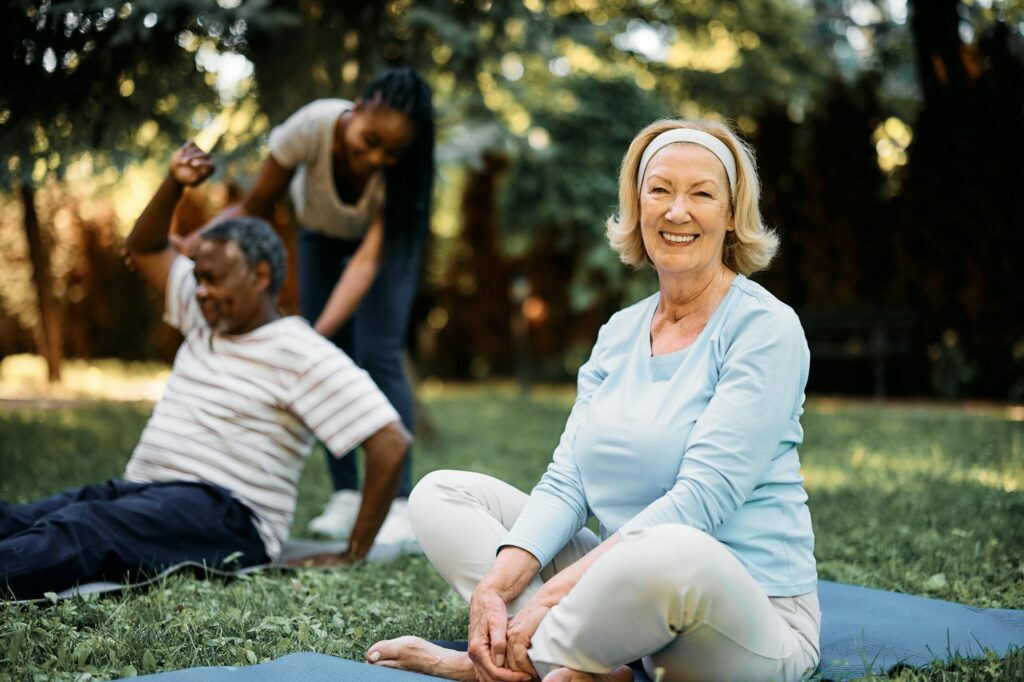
[(709, 142)]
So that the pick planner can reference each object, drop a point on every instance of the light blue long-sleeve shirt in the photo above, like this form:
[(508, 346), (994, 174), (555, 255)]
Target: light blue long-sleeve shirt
[(705, 436)]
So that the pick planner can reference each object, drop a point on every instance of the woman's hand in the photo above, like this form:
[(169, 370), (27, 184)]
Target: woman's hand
[(520, 632), (526, 622), (488, 621), (190, 165)]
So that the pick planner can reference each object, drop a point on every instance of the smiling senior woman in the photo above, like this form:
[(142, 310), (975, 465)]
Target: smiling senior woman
[(682, 442)]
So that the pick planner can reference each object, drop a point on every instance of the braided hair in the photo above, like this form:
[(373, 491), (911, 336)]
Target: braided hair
[(409, 182)]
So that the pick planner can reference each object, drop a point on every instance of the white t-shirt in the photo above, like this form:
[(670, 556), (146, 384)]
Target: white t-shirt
[(304, 142), (241, 412)]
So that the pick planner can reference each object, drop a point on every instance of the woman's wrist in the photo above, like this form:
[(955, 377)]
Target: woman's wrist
[(513, 569), (322, 328), (494, 586), (554, 590)]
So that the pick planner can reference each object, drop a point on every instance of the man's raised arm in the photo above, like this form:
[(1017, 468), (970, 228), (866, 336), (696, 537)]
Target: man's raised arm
[(148, 244)]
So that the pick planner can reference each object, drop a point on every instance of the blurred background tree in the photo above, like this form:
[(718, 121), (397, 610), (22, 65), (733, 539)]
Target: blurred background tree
[(871, 119), (90, 87)]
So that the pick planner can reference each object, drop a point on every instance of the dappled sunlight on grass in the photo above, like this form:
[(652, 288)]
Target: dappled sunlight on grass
[(993, 479), (924, 501), (887, 448), (23, 377), (825, 478), (894, 470), (434, 388), (838, 405)]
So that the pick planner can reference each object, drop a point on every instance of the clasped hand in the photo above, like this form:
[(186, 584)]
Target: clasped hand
[(498, 646), (190, 165)]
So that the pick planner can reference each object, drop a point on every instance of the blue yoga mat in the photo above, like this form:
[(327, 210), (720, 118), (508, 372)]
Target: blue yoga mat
[(292, 549), (862, 631), (872, 631), (304, 667)]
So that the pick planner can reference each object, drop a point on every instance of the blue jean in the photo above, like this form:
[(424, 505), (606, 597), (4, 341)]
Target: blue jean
[(375, 334), (117, 529)]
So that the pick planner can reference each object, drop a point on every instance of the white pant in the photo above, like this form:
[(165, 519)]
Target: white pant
[(671, 595)]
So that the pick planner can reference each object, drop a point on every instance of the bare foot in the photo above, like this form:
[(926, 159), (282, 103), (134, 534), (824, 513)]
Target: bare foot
[(621, 674), (421, 656)]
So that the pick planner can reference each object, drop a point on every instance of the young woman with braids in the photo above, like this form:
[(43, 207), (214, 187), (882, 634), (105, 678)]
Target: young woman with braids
[(360, 175)]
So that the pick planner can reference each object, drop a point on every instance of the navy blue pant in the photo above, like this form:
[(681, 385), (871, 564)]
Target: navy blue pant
[(119, 529), (375, 334)]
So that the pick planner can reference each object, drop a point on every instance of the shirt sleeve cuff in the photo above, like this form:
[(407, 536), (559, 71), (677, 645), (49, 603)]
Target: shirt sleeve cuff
[(544, 527), (175, 296), (526, 544)]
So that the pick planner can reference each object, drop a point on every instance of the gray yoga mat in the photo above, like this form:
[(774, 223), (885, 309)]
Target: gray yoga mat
[(863, 631), (292, 549)]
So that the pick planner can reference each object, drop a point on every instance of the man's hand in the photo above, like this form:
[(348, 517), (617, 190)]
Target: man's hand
[(190, 165), (149, 248), (323, 560)]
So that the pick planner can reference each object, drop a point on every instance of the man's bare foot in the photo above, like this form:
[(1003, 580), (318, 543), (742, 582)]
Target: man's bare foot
[(421, 656), (621, 674)]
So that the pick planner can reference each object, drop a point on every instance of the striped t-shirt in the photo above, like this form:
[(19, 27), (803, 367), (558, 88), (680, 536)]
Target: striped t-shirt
[(243, 411)]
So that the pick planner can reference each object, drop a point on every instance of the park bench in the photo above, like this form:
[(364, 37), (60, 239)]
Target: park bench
[(878, 337)]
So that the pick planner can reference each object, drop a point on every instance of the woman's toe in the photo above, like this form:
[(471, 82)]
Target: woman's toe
[(386, 649)]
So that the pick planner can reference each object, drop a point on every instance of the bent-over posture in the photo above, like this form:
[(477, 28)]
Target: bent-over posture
[(360, 177)]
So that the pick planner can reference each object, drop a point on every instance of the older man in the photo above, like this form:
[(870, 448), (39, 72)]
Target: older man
[(216, 470)]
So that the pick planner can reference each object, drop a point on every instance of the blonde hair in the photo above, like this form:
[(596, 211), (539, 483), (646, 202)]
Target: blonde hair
[(749, 247)]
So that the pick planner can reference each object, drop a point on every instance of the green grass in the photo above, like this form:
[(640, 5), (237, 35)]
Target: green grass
[(924, 501)]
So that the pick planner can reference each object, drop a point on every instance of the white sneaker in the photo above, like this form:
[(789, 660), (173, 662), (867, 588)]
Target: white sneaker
[(339, 515), (397, 528)]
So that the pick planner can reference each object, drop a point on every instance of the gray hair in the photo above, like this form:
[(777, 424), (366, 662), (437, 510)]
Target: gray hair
[(257, 240)]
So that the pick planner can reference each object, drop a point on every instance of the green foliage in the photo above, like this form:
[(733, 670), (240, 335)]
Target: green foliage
[(122, 81), (590, 123), (926, 501), (84, 76), (568, 188), (729, 58)]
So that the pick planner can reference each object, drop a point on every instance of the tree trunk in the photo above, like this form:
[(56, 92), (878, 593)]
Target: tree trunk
[(937, 43), (49, 342), (479, 336)]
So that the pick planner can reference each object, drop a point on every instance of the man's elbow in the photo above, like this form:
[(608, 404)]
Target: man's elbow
[(131, 244), (136, 246), (390, 445), (254, 205)]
